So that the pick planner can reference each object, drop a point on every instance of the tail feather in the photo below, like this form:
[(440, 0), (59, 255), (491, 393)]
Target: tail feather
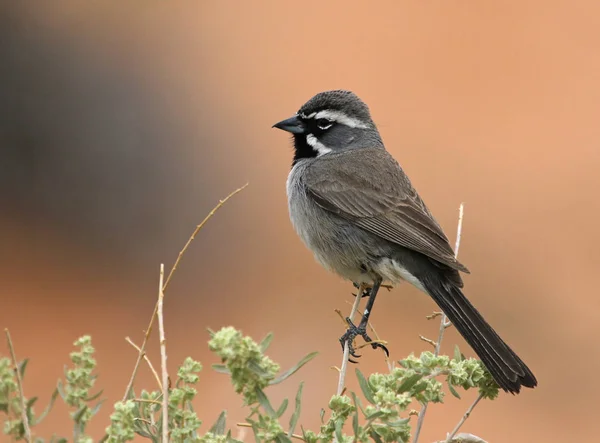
[(506, 367)]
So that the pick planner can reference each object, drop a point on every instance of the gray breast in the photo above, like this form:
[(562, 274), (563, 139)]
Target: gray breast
[(337, 244)]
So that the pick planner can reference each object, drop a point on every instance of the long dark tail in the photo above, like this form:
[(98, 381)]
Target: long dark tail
[(506, 367)]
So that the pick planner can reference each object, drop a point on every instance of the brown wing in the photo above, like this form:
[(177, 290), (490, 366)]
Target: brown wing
[(368, 187)]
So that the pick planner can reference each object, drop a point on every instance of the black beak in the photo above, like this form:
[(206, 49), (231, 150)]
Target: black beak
[(292, 124)]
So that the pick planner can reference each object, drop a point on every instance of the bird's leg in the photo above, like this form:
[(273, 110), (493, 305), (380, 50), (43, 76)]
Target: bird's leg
[(366, 292), (354, 331)]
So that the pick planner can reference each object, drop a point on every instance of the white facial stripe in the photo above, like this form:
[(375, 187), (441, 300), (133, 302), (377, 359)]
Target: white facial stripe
[(341, 118), (317, 145), (336, 116)]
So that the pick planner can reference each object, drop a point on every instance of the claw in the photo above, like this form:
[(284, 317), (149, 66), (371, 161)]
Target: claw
[(354, 331)]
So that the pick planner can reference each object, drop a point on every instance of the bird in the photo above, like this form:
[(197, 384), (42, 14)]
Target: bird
[(354, 207)]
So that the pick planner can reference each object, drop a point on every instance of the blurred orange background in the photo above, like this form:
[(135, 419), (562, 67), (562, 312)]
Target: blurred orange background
[(123, 123)]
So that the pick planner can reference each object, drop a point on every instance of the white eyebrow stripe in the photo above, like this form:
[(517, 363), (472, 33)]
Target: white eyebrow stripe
[(340, 117), (317, 145)]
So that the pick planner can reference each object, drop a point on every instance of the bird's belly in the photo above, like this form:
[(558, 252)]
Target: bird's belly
[(336, 244)]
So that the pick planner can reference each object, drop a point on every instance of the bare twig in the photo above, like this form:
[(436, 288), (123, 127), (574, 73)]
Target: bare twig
[(444, 323), (20, 386), (163, 358), (463, 419), (128, 340), (153, 317), (344, 366), (428, 340), (200, 226)]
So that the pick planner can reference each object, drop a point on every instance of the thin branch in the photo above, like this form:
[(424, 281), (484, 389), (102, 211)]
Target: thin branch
[(464, 418), (149, 328), (193, 236), (444, 323), (20, 386), (163, 358), (428, 340), (128, 340), (344, 366)]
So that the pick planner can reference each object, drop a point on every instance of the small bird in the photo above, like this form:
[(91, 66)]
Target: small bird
[(356, 210)]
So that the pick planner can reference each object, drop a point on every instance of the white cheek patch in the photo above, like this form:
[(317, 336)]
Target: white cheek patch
[(341, 118), (317, 145)]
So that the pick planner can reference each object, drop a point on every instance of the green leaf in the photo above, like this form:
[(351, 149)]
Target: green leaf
[(22, 367), (221, 369), (322, 415), (397, 423), (264, 344), (282, 408), (96, 408), (296, 415), (79, 413), (409, 382), (338, 430), (30, 402), (419, 387), (453, 391), (292, 370), (219, 427), (375, 436), (375, 415), (283, 439), (457, 355), (357, 402), (60, 390), (95, 396), (355, 424), (364, 386), (264, 402), (254, 367)]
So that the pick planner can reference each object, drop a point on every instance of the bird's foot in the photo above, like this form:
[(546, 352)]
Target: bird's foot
[(354, 331), (367, 291)]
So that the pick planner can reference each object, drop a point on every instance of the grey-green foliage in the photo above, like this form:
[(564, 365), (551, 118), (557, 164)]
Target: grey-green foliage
[(76, 389), (142, 415), (384, 418), (382, 415)]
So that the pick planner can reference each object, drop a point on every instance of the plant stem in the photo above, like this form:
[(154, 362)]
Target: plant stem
[(464, 418), (344, 367), (163, 358), (20, 386), (444, 323), (142, 349)]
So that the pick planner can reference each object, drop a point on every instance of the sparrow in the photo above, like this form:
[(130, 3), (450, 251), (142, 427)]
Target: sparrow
[(353, 206)]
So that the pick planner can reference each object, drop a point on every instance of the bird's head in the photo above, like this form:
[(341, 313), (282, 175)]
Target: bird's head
[(331, 121)]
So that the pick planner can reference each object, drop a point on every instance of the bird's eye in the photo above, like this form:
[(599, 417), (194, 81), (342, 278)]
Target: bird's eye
[(324, 123)]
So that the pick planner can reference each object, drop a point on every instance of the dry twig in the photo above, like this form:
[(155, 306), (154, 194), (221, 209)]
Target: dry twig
[(444, 323), (344, 366), (163, 358), (128, 340), (166, 284), (20, 386), (463, 419)]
